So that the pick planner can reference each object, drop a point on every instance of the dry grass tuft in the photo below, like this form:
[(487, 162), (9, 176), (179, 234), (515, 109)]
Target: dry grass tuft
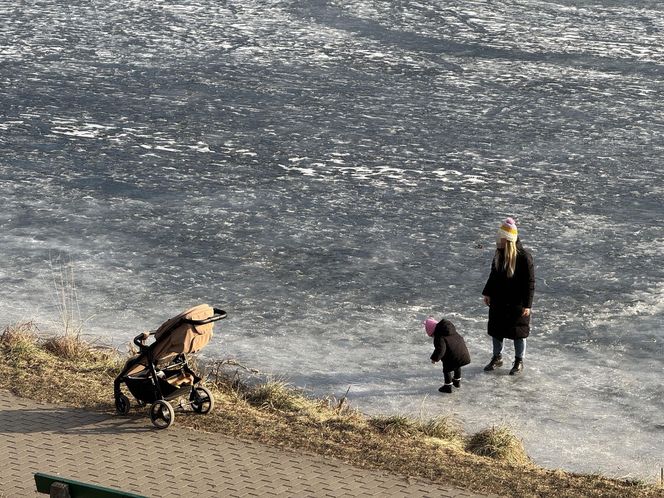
[(344, 423), (277, 395), (69, 347), (226, 381), (445, 428), (20, 339), (500, 444), (398, 425)]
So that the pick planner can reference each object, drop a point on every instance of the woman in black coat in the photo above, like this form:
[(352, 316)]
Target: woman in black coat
[(509, 294), (450, 348)]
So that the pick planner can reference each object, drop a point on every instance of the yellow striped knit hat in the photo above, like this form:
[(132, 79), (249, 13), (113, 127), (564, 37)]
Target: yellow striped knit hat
[(508, 230)]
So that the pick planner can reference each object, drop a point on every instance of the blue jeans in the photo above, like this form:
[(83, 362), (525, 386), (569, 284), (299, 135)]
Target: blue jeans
[(519, 347)]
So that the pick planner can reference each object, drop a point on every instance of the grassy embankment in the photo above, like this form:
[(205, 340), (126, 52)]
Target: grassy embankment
[(66, 370)]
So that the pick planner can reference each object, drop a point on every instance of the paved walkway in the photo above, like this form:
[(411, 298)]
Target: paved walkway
[(129, 454)]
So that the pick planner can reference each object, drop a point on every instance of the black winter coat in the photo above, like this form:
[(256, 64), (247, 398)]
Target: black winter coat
[(509, 296), (449, 347)]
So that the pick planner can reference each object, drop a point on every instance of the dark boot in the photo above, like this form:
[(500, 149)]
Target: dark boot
[(456, 382), (446, 388), (517, 367), (496, 361)]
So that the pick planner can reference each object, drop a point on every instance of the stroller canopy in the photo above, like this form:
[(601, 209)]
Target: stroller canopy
[(188, 332)]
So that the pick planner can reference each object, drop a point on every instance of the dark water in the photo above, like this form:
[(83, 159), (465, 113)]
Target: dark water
[(332, 172)]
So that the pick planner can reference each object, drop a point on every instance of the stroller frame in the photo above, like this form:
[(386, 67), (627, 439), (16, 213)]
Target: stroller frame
[(151, 384)]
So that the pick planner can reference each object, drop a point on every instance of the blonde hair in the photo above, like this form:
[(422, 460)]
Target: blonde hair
[(508, 262)]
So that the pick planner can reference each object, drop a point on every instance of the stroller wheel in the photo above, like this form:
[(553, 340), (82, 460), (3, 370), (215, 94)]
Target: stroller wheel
[(162, 414), (201, 400), (122, 404)]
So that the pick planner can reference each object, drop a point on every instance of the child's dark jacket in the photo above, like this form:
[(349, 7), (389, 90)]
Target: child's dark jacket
[(449, 347)]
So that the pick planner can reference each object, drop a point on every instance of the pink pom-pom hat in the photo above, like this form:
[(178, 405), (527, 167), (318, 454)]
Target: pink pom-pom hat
[(430, 326)]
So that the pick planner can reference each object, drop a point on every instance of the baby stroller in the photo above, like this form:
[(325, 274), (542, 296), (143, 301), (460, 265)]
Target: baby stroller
[(160, 372)]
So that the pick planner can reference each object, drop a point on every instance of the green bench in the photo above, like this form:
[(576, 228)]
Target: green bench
[(61, 487)]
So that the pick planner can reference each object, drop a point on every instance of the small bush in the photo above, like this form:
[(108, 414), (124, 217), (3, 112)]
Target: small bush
[(500, 444)]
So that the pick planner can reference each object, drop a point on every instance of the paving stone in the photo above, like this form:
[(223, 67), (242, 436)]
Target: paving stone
[(128, 454)]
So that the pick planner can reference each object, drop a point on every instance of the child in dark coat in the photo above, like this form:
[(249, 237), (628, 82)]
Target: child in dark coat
[(449, 347)]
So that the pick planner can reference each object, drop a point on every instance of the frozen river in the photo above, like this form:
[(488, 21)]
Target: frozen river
[(331, 172)]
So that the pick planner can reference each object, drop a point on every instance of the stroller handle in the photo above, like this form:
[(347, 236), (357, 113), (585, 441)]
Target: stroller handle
[(140, 339), (218, 315)]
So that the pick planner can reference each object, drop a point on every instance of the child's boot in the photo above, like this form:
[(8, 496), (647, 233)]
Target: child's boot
[(517, 367), (456, 382), (445, 388), (496, 361)]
